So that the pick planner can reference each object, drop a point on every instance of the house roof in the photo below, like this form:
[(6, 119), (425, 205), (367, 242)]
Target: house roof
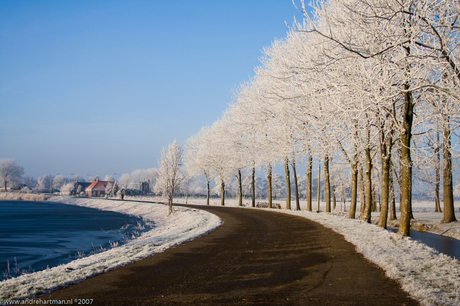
[(99, 185)]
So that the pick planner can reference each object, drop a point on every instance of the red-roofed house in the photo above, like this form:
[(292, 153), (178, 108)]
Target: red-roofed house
[(97, 188)]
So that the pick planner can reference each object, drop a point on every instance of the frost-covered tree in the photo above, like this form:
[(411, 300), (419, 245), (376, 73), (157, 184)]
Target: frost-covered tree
[(58, 182), (10, 172), (345, 85), (168, 171), (223, 164), (143, 175), (109, 189), (109, 178), (124, 181), (254, 119), (197, 157), (29, 181), (278, 186), (67, 189), (45, 183), (132, 180), (380, 28), (114, 189), (78, 178), (93, 178)]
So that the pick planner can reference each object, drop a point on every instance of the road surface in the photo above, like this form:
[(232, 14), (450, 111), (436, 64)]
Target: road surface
[(256, 258)]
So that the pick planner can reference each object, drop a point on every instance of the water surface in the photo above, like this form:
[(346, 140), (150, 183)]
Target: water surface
[(443, 244), (35, 235)]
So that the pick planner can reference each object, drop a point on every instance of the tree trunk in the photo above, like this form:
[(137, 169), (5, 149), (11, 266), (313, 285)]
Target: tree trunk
[(437, 169), (309, 176), (288, 184), (386, 172), (240, 189), (222, 193), (354, 189), (296, 188), (207, 188), (449, 213), (186, 192), (170, 201), (334, 200), (253, 184), (368, 187), (374, 199), (269, 180), (319, 186), (362, 199), (406, 164), (170, 197), (327, 182), (437, 200), (392, 197)]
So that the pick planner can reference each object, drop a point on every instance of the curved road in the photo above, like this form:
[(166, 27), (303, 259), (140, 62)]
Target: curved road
[(256, 258)]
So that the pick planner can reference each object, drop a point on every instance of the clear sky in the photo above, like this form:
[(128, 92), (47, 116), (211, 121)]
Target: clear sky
[(99, 87)]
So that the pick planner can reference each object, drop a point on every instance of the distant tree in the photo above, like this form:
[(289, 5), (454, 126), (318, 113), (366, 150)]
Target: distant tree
[(93, 178), (10, 172), (124, 180), (45, 182), (114, 189), (142, 175), (278, 186), (58, 182), (78, 178), (168, 171), (132, 180), (109, 178), (29, 181), (67, 189), (109, 189)]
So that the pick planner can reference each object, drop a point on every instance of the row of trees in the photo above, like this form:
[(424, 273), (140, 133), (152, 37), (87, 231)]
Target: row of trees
[(371, 84)]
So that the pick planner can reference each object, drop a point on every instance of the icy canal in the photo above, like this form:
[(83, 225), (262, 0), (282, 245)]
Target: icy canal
[(34, 235)]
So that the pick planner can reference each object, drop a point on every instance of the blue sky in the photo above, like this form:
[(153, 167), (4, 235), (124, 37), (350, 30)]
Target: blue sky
[(99, 87)]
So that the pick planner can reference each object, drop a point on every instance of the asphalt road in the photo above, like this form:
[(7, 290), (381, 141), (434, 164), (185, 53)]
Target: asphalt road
[(256, 258)]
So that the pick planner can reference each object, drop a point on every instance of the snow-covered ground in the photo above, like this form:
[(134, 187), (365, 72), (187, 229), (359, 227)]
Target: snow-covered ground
[(169, 230), (430, 277)]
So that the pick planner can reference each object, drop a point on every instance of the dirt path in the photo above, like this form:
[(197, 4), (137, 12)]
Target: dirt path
[(255, 258)]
